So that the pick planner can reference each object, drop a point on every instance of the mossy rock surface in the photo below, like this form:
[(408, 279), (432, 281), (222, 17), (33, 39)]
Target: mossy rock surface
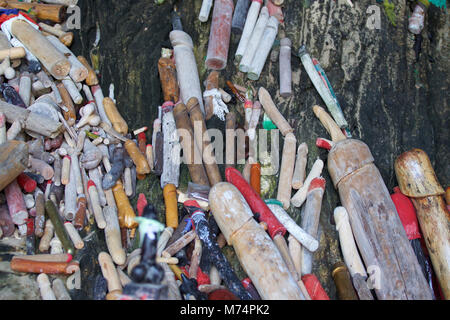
[(391, 101)]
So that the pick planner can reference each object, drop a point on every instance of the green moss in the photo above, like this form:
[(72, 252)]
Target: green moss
[(184, 179), (230, 254), (389, 9)]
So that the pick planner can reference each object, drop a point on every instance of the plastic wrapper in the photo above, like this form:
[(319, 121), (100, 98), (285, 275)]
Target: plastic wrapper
[(198, 191)]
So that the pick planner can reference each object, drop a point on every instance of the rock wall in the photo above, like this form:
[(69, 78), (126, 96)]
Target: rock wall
[(391, 101)]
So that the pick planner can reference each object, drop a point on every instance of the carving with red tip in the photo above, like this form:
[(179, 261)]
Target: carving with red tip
[(142, 141), (31, 238), (248, 285), (16, 204), (91, 183), (317, 183), (275, 10), (314, 288), (256, 204), (49, 267)]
